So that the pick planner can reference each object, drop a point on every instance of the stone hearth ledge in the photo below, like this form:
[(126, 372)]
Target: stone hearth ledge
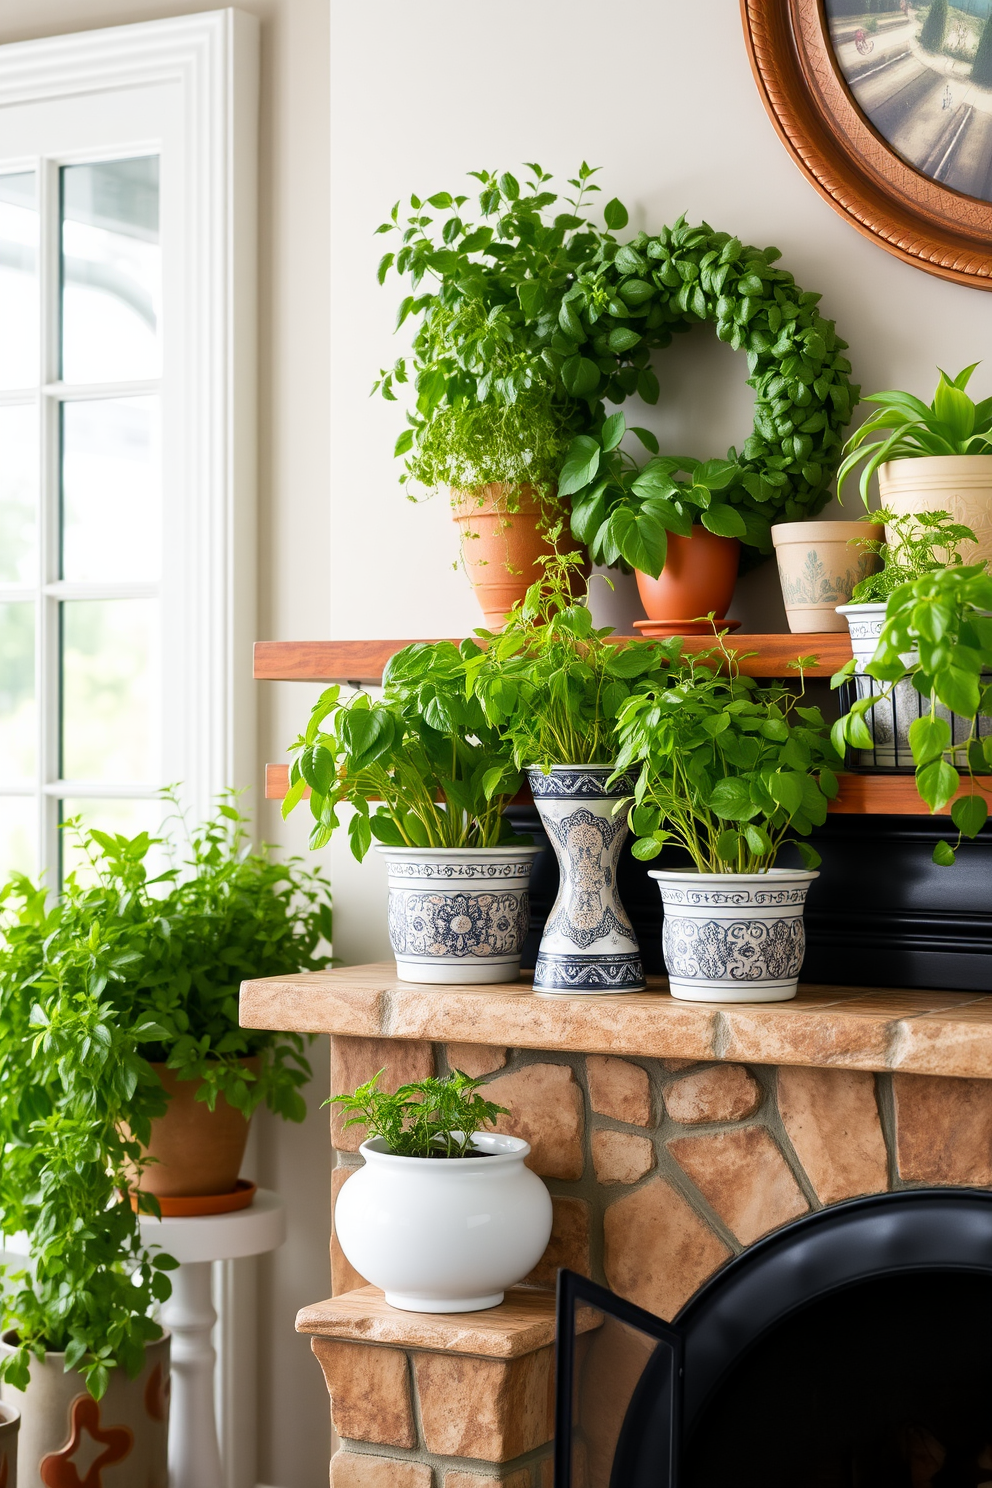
[(857, 1028)]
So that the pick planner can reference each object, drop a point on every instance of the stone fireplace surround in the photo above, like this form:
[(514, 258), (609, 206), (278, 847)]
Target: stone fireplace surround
[(671, 1136)]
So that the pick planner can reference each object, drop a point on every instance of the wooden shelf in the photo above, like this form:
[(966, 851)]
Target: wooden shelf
[(363, 661), (859, 795)]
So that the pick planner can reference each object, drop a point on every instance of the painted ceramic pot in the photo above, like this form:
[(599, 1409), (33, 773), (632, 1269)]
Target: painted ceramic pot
[(958, 484), (502, 550), (444, 1234), (818, 567), (588, 945), (734, 937), (65, 1433), (458, 914)]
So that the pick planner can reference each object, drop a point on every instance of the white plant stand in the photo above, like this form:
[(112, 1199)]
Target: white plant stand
[(196, 1242)]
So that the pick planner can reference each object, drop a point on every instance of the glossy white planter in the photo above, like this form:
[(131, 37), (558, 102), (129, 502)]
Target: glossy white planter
[(458, 914), (734, 937), (444, 1234)]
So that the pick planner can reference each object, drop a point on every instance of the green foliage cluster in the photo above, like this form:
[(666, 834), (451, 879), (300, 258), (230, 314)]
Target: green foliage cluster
[(727, 770), (438, 1117), (934, 27), (923, 542), (425, 751), (953, 424), (937, 633), (123, 970), (981, 71), (551, 684), (631, 299), (488, 405)]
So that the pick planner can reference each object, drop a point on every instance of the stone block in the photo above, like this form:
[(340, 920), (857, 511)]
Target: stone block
[(344, 1277), (457, 1479), (369, 1388), (721, 1092), (744, 1177), (485, 1408), (569, 1243), (621, 1157), (943, 1129), (546, 1473), (355, 1060), (658, 1250), (359, 1470), (619, 1089), (545, 1105), (832, 1120), (476, 1059)]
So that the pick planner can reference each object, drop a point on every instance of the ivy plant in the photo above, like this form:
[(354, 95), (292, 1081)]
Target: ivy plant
[(727, 770), (422, 767), (437, 1117)]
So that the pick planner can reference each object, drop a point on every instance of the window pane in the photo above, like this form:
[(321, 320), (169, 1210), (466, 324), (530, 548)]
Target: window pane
[(18, 281), (18, 492), (125, 817), (111, 271), (111, 489), (17, 712), (110, 688), (18, 826)]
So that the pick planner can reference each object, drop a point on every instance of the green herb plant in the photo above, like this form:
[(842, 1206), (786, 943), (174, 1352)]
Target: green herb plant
[(551, 684), (727, 770), (922, 543), (906, 429), (422, 767), (438, 1117)]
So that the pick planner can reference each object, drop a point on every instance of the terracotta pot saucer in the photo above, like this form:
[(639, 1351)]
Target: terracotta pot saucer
[(183, 1206), (683, 627)]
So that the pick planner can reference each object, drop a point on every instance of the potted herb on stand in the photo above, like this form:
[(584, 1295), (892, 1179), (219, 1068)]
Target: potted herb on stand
[(729, 772), (553, 687), (438, 776), (491, 419), (930, 457), (444, 1216)]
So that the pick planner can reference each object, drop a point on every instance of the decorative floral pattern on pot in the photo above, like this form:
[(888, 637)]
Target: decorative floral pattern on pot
[(588, 944), (734, 937), (59, 1469), (819, 565), (814, 584), (458, 914)]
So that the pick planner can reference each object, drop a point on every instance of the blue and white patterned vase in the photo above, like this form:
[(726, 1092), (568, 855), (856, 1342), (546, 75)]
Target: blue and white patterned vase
[(734, 937), (458, 914), (588, 945)]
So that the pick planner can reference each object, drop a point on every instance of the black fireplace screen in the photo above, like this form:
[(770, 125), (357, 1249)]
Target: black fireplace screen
[(852, 1349)]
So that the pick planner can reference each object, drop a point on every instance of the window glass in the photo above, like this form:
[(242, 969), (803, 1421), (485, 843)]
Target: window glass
[(17, 705), (109, 690), (111, 489), (18, 491), (127, 817), (18, 825), (111, 271), (19, 338)]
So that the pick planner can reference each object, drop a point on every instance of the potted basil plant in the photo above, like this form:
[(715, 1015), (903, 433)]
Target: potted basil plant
[(444, 1216), (553, 686), (729, 772), (427, 775)]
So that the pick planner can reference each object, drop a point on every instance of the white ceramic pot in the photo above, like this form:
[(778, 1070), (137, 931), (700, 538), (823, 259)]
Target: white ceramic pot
[(63, 1428), (588, 946), (734, 937), (819, 565), (444, 1234), (958, 484), (458, 914)]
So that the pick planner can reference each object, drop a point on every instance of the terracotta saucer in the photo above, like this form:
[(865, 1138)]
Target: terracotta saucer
[(683, 627), (180, 1206)]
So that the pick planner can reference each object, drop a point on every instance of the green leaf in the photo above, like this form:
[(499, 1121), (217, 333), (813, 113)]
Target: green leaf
[(580, 376), (969, 814), (725, 521), (613, 431), (731, 800), (937, 783), (646, 848), (958, 690), (727, 845), (929, 736), (615, 215), (810, 857), (757, 840), (581, 464), (786, 789), (943, 854), (623, 339)]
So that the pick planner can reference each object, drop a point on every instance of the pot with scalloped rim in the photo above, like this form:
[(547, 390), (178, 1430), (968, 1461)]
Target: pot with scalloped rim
[(734, 937)]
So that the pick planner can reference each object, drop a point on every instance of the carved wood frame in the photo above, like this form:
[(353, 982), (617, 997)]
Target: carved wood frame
[(853, 168)]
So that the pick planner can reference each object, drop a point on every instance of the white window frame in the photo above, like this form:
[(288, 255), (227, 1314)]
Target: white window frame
[(208, 385)]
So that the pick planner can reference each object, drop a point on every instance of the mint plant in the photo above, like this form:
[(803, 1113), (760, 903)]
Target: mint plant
[(438, 1117)]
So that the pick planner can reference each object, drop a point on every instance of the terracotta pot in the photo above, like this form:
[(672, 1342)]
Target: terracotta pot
[(501, 549), (959, 484), (197, 1151), (818, 567), (64, 1430), (699, 575)]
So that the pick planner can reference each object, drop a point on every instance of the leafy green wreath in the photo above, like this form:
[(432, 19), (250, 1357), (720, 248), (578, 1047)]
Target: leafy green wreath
[(634, 298)]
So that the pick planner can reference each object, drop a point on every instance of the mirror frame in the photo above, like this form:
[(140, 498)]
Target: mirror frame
[(853, 168)]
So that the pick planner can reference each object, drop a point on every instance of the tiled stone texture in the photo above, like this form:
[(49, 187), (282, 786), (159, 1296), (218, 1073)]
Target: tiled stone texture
[(355, 1060), (679, 1165)]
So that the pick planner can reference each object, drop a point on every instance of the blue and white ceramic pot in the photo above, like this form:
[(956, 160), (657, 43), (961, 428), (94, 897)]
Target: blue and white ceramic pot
[(458, 914), (588, 944), (734, 937)]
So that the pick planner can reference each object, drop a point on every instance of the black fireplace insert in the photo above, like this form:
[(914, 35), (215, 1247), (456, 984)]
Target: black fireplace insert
[(850, 1349)]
